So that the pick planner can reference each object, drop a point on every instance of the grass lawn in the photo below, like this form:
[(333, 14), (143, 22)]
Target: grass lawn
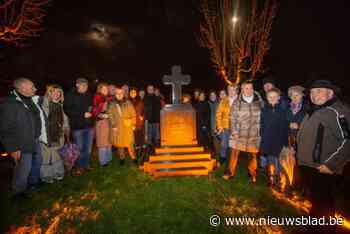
[(122, 199)]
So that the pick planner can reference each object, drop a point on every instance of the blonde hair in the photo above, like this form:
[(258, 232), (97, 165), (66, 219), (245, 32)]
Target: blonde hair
[(50, 88)]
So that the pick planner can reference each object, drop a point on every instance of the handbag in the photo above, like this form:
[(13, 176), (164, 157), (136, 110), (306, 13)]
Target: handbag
[(69, 153)]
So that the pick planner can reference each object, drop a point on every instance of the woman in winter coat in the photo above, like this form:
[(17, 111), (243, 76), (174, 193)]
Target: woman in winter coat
[(296, 111), (274, 133), (54, 128), (122, 117), (245, 129), (102, 128)]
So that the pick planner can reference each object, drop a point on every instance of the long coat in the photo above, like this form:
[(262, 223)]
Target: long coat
[(122, 116), (102, 127), (273, 129), (245, 125), (152, 107)]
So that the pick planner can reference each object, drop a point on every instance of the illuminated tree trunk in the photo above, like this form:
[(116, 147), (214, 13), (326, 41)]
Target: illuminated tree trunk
[(236, 47), (21, 20)]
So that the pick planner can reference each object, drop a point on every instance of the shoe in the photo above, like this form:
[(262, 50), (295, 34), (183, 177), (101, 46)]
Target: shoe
[(59, 178), (48, 181), (227, 177), (122, 162), (253, 180), (135, 162)]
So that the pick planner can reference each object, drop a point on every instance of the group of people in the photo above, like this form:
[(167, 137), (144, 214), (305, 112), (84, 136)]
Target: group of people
[(314, 123), (34, 128)]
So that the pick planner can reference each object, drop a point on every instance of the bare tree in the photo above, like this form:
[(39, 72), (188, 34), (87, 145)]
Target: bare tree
[(21, 20), (237, 42)]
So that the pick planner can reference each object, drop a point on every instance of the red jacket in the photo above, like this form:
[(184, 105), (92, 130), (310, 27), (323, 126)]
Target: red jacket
[(99, 104)]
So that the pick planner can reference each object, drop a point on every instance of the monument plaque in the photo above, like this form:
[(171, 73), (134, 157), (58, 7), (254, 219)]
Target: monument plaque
[(179, 153), (177, 121)]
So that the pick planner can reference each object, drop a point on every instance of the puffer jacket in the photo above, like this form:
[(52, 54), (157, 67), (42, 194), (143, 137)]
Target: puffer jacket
[(245, 125), (222, 114), (324, 137)]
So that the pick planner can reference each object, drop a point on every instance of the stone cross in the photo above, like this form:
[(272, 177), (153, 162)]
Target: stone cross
[(176, 80)]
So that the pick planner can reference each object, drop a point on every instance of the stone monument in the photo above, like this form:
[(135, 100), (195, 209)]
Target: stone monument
[(179, 153)]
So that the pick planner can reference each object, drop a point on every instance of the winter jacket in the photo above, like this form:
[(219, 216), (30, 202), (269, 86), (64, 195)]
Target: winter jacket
[(75, 105), (152, 108), (203, 114), (122, 118), (213, 108), (222, 114), (273, 129), (19, 128), (324, 135), (245, 125)]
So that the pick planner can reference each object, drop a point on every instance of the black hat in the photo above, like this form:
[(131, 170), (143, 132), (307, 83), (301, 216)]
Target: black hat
[(324, 84)]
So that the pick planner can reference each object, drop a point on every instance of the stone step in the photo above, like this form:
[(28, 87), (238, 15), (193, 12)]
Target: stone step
[(167, 157), (166, 150), (188, 171), (154, 166)]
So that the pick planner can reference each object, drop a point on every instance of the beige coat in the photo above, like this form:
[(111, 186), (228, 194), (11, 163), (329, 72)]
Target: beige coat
[(122, 119), (245, 125)]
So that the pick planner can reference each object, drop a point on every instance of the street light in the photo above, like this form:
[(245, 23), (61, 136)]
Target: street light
[(234, 19)]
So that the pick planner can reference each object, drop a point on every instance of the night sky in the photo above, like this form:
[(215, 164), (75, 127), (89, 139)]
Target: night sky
[(309, 38)]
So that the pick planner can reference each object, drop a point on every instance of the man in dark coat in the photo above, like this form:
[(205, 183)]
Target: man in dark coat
[(324, 146), (20, 128), (203, 120), (152, 108), (78, 106)]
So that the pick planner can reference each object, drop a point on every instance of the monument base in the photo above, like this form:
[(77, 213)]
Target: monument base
[(180, 161)]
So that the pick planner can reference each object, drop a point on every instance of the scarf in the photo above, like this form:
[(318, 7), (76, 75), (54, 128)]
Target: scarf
[(248, 99), (55, 123), (295, 108)]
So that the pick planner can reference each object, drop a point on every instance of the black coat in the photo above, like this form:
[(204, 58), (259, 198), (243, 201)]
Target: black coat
[(203, 114), (152, 108), (273, 129), (18, 126), (75, 105)]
